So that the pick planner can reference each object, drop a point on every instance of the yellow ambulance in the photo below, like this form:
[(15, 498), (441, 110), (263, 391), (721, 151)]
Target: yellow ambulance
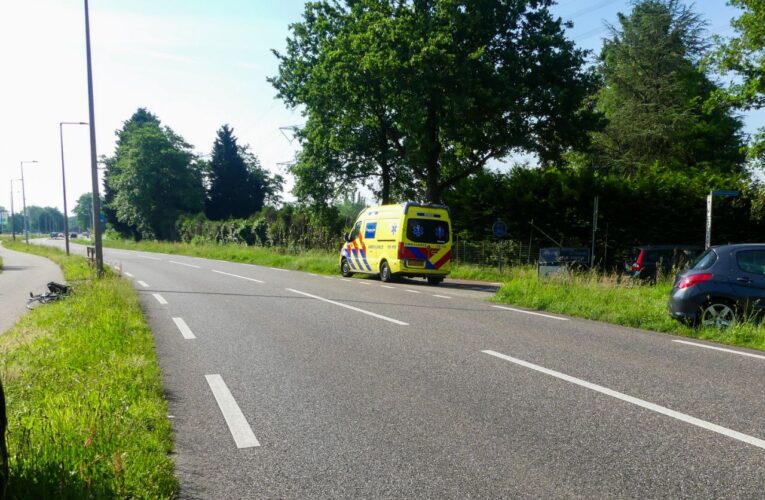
[(409, 239)]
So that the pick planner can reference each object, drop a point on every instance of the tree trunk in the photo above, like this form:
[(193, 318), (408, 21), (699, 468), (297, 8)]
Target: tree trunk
[(432, 152), (385, 172)]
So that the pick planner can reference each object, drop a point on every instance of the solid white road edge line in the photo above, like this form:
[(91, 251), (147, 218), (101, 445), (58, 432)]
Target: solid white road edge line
[(160, 298), (530, 312), (184, 329), (363, 311), (143, 284), (237, 276), (635, 401), (184, 264), (278, 269), (720, 349), (237, 423), (128, 274)]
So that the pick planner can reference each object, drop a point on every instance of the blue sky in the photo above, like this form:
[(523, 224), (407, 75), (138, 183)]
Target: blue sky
[(197, 64)]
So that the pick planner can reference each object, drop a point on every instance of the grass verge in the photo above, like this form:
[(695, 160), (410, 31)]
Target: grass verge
[(606, 298), (87, 416), (590, 296), (314, 261)]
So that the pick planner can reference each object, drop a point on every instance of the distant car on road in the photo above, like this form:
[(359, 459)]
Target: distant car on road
[(725, 284), (53, 235), (72, 235), (645, 261)]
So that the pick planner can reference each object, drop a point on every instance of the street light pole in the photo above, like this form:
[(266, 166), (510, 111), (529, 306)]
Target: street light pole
[(93, 155), (13, 216), (63, 179), (24, 200)]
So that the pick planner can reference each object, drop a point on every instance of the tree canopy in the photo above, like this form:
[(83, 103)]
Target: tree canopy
[(744, 55), (654, 93), (151, 179), (83, 211), (237, 185), (420, 95)]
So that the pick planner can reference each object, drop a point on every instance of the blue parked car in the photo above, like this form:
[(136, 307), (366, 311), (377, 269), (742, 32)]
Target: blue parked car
[(724, 285)]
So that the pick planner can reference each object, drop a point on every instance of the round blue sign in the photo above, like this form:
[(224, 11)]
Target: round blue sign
[(499, 229)]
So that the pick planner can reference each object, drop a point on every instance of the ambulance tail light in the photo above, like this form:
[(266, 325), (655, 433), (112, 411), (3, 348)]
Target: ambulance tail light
[(400, 250)]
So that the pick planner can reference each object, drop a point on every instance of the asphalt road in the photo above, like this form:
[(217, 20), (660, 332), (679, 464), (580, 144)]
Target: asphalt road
[(22, 273), (285, 384)]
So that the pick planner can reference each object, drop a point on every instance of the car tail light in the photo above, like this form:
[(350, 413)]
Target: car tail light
[(638, 265), (400, 250), (694, 279)]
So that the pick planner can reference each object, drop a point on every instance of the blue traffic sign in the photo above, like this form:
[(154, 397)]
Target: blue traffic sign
[(499, 228)]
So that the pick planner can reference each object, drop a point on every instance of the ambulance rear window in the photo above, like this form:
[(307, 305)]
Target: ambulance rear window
[(427, 231)]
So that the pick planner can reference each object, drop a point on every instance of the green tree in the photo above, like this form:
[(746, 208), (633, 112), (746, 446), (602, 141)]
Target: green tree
[(237, 185), (83, 211), (140, 118), (654, 94), (44, 219), (152, 180), (420, 95), (744, 55)]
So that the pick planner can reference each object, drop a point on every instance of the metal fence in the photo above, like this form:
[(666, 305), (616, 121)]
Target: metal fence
[(494, 253)]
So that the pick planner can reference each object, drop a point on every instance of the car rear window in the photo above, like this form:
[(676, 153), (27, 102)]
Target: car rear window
[(705, 260), (751, 261), (427, 231)]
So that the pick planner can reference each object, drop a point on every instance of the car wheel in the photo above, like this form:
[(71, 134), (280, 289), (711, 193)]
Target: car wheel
[(345, 269), (432, 280), (385, 275), (717, 314)]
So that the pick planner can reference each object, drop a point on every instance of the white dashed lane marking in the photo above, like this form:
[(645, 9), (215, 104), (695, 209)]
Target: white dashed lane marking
[(740, 353), (160, 298), (235, 419), (237, 276), (184, 329), (635, 401), (340, 304), (184, 264), (530, 312), (143, 284)]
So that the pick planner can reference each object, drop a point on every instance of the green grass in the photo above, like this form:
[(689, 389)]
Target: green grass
[(314, 261), (87, 416), (590, 296), (622, 302)]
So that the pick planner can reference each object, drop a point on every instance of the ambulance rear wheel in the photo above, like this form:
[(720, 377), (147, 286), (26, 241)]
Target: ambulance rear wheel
[(385, 275), (434, 280), (345, 269)]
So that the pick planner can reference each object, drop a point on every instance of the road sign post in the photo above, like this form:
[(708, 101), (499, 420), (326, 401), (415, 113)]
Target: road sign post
[(722, 193)]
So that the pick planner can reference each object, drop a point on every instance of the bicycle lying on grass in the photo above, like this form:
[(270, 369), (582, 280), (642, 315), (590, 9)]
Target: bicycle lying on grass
[(55, 292)]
